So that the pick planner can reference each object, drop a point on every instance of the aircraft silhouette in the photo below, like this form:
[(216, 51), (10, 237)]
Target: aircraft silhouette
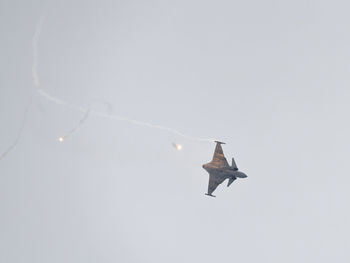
[(219, 170)]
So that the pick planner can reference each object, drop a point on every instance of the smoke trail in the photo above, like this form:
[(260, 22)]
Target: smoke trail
[(36, 80), (19, 133), (120, 118), (80, 123), (85, 116), (35, 41), (58, 101), (87, 111)]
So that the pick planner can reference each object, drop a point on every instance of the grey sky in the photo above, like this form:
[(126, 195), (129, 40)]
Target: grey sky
[(270, 78)]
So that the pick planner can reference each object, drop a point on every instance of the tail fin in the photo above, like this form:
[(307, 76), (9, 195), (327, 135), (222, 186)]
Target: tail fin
[(234, 166)]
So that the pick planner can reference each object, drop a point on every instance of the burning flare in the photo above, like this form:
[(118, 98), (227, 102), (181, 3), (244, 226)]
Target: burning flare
[(177, 146)]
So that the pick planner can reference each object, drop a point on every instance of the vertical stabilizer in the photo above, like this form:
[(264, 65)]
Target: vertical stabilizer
[(234, 166)]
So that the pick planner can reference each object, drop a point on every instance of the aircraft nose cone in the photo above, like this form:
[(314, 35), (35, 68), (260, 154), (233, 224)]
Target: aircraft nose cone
[(241, 175)]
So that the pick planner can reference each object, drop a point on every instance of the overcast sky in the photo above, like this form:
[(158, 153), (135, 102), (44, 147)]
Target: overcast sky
[(269, 78)]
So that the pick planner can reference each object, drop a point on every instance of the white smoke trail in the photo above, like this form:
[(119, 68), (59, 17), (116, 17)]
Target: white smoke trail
[(84, 118), (80, 123), (87, 111), (120, 118), (36, 80), (35, 41), (19, 133)]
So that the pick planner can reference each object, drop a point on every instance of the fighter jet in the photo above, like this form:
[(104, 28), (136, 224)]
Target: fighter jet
[(219, 170)]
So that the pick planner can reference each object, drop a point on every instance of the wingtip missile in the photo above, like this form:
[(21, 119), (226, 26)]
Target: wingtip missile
[(219, 142)]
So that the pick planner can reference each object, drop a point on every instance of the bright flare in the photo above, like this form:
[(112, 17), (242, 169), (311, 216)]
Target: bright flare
[(60, 139), (177, 146)]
